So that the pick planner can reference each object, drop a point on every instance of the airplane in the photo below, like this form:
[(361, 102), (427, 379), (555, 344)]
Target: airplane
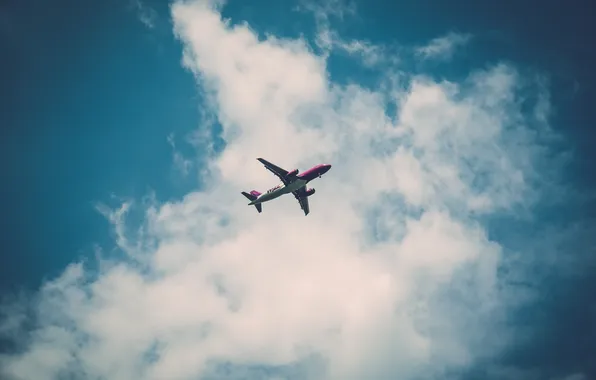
[(291, 182)]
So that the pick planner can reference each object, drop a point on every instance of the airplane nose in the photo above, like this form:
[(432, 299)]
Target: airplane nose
[(327, 167)]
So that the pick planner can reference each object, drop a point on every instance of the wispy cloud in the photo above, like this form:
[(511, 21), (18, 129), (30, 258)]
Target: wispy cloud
[(145, 13), (443, 48), (575, 376), (221, 288), (182, 164)]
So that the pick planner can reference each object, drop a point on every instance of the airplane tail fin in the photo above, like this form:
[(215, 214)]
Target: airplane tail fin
[(252, 196)]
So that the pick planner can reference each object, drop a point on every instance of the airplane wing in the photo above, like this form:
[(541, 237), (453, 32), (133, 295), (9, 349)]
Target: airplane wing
[(281, 173), (300, 195)]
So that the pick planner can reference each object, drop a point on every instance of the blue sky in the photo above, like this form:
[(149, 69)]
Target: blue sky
[(98, 109)]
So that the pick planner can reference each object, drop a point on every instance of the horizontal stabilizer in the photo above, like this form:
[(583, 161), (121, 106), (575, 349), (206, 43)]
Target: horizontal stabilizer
[(252, 196), (249, 196)]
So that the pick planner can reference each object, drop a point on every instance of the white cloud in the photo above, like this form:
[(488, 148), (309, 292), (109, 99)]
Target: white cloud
[(443, 48), (211, 280)]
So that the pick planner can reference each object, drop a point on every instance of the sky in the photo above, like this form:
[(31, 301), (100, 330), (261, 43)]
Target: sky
[(452, 238)]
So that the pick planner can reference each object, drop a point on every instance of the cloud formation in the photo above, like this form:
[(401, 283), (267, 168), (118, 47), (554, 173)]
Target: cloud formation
[(443, 48), (392, 273)]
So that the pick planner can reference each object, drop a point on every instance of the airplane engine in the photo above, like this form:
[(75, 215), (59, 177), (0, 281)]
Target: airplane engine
[(293, 172), (310, 192)]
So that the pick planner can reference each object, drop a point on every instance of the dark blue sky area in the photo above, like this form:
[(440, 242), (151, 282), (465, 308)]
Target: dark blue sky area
[(89, 96)]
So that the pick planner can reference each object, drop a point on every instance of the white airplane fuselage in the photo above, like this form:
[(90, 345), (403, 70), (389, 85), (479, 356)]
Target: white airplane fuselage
[(279, 190)]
